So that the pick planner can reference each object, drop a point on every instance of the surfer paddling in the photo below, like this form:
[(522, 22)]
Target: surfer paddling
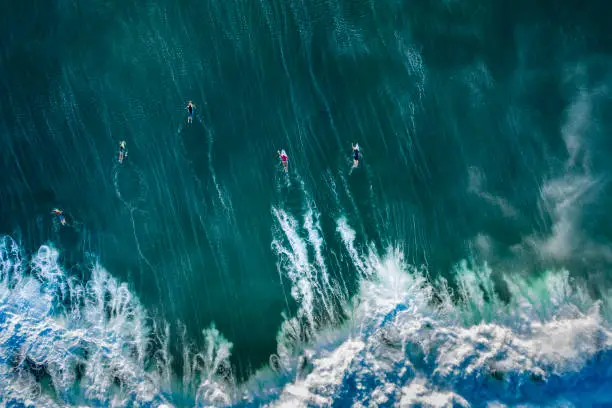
[(355, 154), (190, 107), (122, 151), (284, 159), (60, 216)]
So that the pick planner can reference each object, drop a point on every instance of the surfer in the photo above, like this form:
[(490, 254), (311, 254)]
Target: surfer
[(284, 159), (355, 154), (190, 108), (60, 215), (122, 151)]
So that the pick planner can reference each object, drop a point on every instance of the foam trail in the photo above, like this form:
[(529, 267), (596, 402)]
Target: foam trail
[(549, 343), (93, 341), (296, 265), (307, 276), (314, 237), (214, 368), (348, 238), (407, 341), (163, 358)]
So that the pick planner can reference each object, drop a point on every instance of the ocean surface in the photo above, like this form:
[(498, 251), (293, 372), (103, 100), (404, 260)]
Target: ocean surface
[(465, 262)]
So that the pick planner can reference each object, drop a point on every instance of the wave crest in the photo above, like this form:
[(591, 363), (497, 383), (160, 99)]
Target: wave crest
[(402, 340)]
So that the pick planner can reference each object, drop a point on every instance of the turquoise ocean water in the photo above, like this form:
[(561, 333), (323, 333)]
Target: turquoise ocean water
[(464, 262)]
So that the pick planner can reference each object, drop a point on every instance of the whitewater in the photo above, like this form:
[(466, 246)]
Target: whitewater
[(402, 340)]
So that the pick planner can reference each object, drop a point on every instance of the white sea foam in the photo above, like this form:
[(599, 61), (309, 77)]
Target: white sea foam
[(403, 341), (92, 341), (407, 343)]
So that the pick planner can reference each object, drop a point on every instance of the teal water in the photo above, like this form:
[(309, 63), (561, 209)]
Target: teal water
[(483, 132)]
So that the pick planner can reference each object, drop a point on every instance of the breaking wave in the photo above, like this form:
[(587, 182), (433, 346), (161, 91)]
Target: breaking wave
[(401, 340)]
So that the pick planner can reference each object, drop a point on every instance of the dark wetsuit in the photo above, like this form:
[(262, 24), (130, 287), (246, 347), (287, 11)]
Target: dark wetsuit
[(190, 110), (356, 152)]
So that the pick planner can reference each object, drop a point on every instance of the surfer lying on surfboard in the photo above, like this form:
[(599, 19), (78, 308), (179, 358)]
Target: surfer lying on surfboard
[(122, 151), (60, 215), (355, 154), (284, 159), (190, 108)]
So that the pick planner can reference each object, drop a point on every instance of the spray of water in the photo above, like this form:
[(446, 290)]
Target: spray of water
[(410, 341), (67, 342), (401, 340)]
